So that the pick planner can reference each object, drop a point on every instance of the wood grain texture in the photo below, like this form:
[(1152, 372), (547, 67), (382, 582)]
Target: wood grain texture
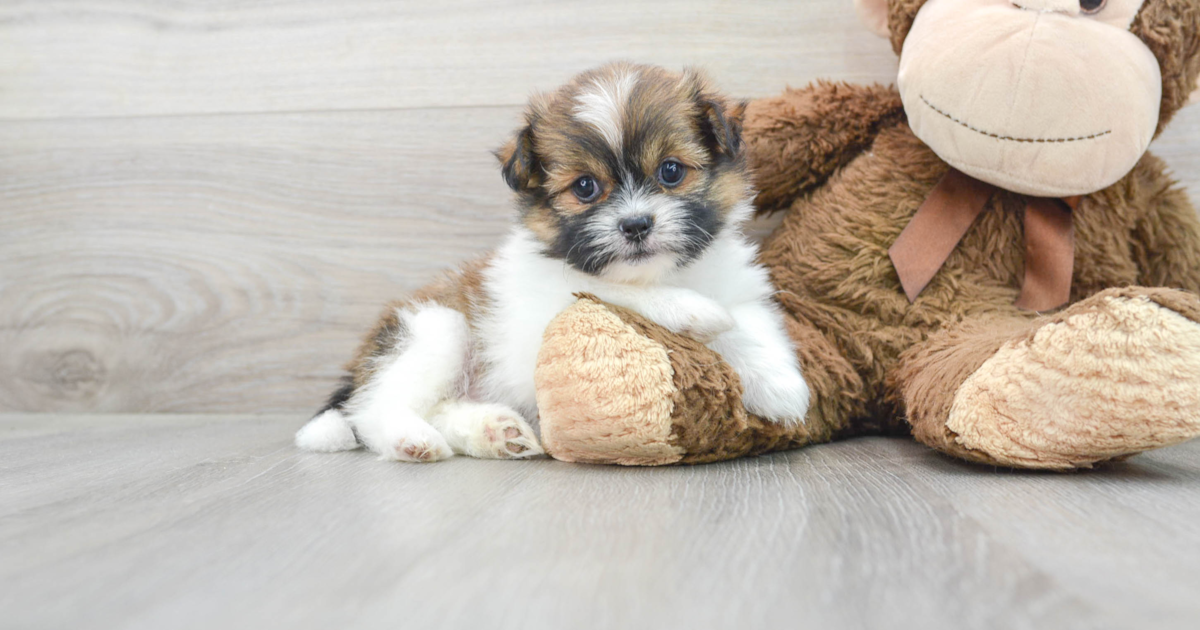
[(217, 521), (203, 205), (226, 262), (61, 58)]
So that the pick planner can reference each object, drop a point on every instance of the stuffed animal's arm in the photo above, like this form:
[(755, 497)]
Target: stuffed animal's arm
[(800, 138), (1166, 241)]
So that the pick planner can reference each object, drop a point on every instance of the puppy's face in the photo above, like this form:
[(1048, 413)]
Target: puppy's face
[(629, 171)]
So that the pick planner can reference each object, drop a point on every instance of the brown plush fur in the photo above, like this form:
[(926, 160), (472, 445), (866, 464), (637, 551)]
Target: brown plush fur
[(931, 373), (793, 150), (850, 173), (829, 259), (1171, 28)]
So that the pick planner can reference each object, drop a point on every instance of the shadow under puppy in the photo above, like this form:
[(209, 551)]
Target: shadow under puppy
[(631, 185)]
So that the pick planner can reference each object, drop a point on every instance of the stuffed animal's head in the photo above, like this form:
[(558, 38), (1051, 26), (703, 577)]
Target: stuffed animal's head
[(1042, 97)]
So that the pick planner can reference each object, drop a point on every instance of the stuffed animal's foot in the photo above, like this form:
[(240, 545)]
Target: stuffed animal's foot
[(1113, 375), (605, 393)]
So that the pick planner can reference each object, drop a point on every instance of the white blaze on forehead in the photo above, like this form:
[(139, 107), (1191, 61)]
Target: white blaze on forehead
[(601, 103)]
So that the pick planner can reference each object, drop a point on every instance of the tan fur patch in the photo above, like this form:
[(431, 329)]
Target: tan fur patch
[(728, 189), (542, 222)]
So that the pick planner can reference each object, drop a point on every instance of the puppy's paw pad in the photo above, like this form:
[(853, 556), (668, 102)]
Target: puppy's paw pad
[(504, 434)]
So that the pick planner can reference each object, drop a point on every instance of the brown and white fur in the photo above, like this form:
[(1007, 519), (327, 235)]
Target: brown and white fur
[(452, 369)]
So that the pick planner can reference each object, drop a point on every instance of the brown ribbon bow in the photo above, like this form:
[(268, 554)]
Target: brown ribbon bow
[(946, 215)]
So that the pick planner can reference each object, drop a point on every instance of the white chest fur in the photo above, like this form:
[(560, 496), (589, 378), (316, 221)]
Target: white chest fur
[(527, 290)]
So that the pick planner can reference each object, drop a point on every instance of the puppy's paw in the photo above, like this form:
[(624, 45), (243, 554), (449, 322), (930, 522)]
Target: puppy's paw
[(689, 313), (498, 432), (781, 397), (418, 443)]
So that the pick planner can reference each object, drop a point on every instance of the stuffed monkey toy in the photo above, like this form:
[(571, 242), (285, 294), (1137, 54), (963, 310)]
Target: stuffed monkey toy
[(984, 256)]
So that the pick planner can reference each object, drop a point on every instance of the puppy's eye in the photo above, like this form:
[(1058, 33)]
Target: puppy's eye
[(586, 189), (1088, 7), (670, 173)]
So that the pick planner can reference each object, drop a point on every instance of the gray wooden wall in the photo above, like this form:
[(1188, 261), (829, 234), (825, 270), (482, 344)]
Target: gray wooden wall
[(203, 204)]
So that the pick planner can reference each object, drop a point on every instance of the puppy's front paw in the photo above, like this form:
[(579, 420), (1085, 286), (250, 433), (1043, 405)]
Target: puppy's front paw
[(689, 313), (781, 396)]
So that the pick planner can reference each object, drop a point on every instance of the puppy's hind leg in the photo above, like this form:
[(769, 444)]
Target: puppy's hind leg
[(421, 364)]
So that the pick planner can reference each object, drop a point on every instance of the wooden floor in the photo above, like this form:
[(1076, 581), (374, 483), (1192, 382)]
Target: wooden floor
[(216, 521)]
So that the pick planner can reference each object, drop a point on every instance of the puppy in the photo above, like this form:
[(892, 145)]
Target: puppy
[(631, 185)]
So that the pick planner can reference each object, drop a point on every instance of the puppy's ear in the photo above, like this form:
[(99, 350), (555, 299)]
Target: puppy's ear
[(720, 119), (518, 162), (721, 123)]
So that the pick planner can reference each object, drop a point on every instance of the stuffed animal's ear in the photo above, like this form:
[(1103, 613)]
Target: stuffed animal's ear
[(518, 162), (874, 15)]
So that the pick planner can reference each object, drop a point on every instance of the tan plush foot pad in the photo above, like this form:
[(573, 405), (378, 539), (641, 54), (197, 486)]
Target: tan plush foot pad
[(1114, 375), (614, 388)]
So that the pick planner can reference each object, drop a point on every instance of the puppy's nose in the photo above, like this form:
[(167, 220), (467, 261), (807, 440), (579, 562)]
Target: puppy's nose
[(636, 228)]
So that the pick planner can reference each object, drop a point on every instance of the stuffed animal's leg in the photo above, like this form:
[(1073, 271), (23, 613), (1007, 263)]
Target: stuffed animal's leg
[(1113, 375), (613, 387)]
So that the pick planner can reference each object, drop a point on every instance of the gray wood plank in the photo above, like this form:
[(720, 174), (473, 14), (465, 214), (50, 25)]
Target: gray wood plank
[(226, 263), (214, 521), (135, 58)]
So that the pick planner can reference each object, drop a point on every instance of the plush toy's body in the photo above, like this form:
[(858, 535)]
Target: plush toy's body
[(829, 260), (1114, 372)]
